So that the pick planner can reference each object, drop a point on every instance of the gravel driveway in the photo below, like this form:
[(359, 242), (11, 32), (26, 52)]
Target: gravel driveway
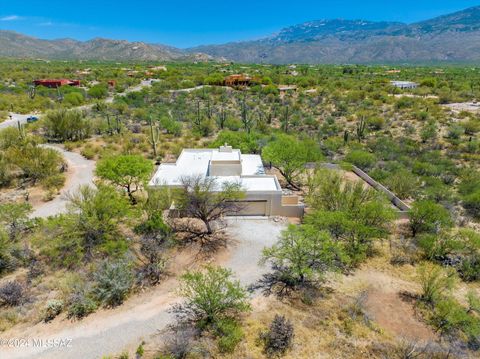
[(110, 332), (81, 172)]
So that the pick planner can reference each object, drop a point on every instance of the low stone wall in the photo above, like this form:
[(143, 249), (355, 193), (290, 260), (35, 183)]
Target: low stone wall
[(402, 206)]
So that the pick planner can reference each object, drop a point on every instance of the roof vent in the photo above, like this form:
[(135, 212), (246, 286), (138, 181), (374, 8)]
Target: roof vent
[(225, 148)]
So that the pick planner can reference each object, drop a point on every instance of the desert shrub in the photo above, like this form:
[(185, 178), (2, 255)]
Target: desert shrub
[(403, 183), (279, 337), (12, 293), (153, 267), (53, 182), (67, 125), (88, 229), (353, 215), (98, 91), (436, 246), (229, 333), (428, 217), (171, 126), (376, 123), (361, 159), (469, 268), (15, 217), (449, 317), (180, 343), (73, 98), (88, 153), (114, 281), (140, 350), (210, 296), (53, 308), (435, 282), (80, 304), (471, 202), (6, 259), (154, 224), (35, 269)]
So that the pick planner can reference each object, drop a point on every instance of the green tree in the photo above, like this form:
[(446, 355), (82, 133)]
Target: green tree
[(428, 217), (290, 155), (127, 171), (67, 125), (35, 162), (90, 227), (98, 91), (302, 256), (353, 214), (210, 297), (15, 217)]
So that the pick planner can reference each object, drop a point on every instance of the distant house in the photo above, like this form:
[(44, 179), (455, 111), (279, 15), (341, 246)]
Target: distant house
[(55, 83), (287, 88), (237, 80), (263, 193), (158, 68), (404, 84)]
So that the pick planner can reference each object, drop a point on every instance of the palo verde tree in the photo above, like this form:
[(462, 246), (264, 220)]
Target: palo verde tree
[(205, 199), (352, 214), (428, 217), (90, 226), (210, 297), (126, 171), (301, 258), (290, 155)]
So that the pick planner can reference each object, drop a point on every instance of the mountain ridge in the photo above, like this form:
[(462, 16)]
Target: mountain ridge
[(452, 37)]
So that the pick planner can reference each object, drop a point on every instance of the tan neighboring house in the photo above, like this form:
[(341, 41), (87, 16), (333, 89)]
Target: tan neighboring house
[(263, 193)]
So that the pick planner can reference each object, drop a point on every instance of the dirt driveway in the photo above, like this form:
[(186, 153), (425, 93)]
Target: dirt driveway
[(142, 316), (81, 172)]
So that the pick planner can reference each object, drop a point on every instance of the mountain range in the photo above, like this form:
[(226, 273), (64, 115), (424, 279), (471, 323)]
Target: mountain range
[(450, 38)]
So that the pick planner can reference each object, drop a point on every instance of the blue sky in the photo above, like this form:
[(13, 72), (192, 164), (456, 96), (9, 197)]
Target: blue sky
[(189, 22)]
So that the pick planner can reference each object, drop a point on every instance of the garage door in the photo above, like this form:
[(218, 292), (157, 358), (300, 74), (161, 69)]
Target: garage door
[(253, 208)]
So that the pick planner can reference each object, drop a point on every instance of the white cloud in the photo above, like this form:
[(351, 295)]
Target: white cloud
[(10, 18), (46, 23)]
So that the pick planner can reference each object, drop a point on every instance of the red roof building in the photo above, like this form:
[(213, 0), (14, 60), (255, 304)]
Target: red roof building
[(55, 83)]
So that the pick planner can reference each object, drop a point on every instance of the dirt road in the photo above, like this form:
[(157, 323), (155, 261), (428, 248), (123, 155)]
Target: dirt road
[(81, 172)]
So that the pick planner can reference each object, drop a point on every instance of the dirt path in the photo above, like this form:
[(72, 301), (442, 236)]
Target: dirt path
[(141, 317), (80, 172)]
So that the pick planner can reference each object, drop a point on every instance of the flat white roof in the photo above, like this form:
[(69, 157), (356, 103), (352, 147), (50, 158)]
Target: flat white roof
[(195, 162), (404, 83)]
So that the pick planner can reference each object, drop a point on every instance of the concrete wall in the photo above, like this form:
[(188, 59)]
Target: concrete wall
[(275, 204), (402, 206)]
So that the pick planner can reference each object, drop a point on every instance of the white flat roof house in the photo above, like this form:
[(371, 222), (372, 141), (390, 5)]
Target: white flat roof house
[(404, 84), (263, 193)]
